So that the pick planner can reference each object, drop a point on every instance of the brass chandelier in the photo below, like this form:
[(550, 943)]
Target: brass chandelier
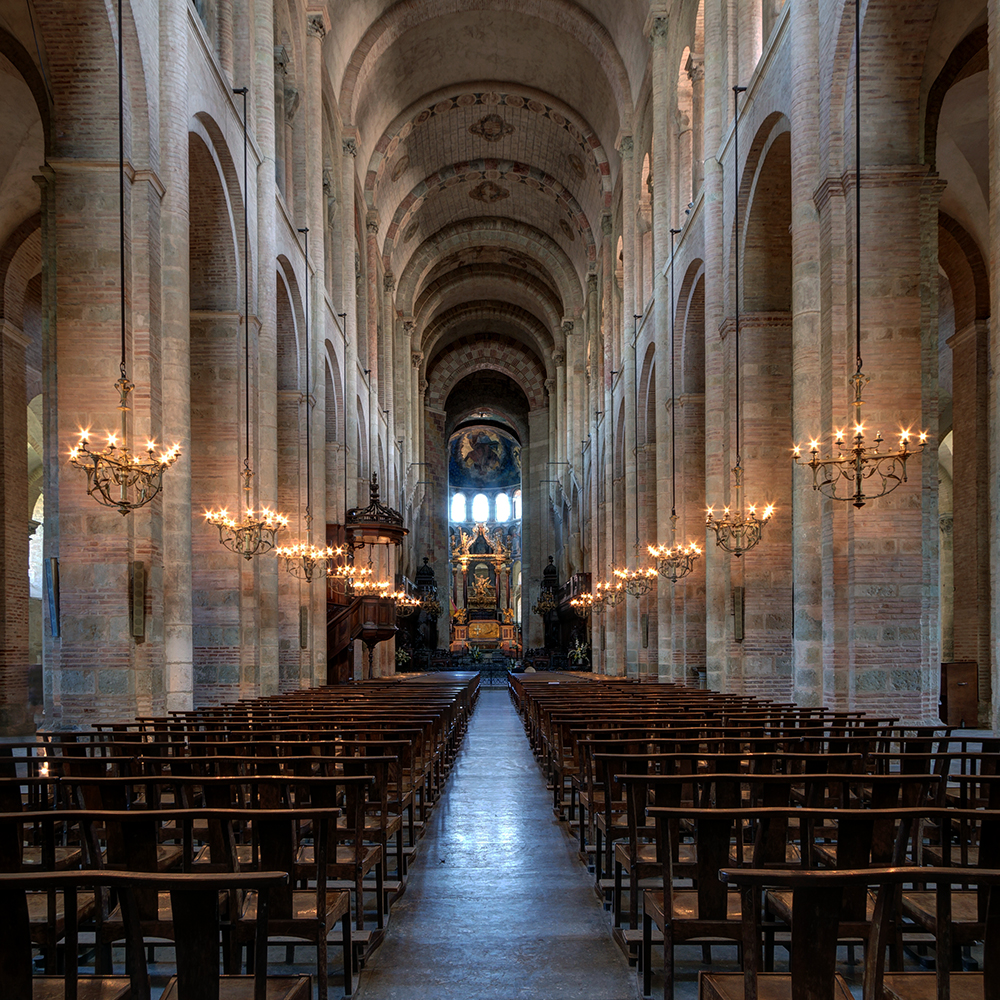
[(739, 529), (117, 477), (252, 534), (844, 476), (673, 561)]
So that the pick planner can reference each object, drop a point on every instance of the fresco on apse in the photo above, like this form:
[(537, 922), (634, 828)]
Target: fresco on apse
[(483, 458)]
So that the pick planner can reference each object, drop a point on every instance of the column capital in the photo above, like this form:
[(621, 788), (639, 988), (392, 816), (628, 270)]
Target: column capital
[(280, 58), (625, 145), (417, 359), (389, 282), (558, 359), (607, 226), (592, 282), (408, 327), (316, 26), (350, 146), (696, 67), (550, 385), (656, 27), (371, 222), (567, 327)]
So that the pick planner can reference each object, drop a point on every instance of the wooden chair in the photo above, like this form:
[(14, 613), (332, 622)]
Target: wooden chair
[(299, 914), (195, 900)]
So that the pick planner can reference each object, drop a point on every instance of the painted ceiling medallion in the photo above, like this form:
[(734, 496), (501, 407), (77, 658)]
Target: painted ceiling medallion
[(488, 192), (491, 127), (411, 231), (577, 164), (401, 164), (567, 230)]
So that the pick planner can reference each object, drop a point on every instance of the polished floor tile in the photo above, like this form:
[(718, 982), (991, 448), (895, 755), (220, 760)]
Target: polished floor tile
[(497, 904)]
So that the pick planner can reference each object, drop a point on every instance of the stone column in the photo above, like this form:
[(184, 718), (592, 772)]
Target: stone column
[(696, 72), (14, 715), (416, 407), (994, 380), (970, 380), (316, 269), (371, 320), (717, 579), (628, 639), (535, 533), (175, 341), (349, 301), (806, 513), (602, 456), (657, 26), (260, 664), (557, 411), (224, 13)]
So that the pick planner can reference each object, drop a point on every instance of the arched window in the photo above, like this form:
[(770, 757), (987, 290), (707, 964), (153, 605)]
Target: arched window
[(458, 507), (480, 508), (517, 505), (503, 508)]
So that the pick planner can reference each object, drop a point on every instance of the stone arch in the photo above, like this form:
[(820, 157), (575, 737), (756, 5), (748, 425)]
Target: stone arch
[(890, 78), (487, 282), (475, 171), (578, 23), (514, 320), (965, 268), (971, 55), (409, 120), (689, 328), (469, 354), (289, 328), (528, 245), (20, 261), (19, 58)]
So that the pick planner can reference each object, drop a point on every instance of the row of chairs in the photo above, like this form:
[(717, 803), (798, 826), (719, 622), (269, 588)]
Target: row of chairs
[(670, 787), (326, 788)]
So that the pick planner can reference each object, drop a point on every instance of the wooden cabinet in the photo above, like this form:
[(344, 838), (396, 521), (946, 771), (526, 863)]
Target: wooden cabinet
[(960, 694)]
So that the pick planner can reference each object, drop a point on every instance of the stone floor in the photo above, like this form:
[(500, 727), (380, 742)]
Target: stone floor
[(497, 903)]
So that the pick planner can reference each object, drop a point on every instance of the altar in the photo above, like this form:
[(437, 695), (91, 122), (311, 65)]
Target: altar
[(482, 616)]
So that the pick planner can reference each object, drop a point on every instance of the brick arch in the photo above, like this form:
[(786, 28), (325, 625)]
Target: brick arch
[(890, 80), (18, 57), (752, 186), (503, 317), (474, 171), (290, 327), (469, 354), (970, 55), (563, 14), (689, 327), (483, 92), (766, 281), (20, 261), (215, 243), (962, 262), (475, 280), (79, 39), (521, 238), (646, 389)]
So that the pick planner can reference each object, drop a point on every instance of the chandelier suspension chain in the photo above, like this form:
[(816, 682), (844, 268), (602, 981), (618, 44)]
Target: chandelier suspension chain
[(308, 393), (673, 392), (736, 242), (121, 179), (246, 294), (857, 177)]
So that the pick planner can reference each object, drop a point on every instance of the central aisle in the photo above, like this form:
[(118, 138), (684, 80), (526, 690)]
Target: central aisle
[(497, 903)]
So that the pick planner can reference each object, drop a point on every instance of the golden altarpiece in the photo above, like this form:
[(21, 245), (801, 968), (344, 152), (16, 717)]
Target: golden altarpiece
[(482, 617)]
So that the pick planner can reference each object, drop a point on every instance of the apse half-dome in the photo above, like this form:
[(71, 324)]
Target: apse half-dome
[(484, 458)]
